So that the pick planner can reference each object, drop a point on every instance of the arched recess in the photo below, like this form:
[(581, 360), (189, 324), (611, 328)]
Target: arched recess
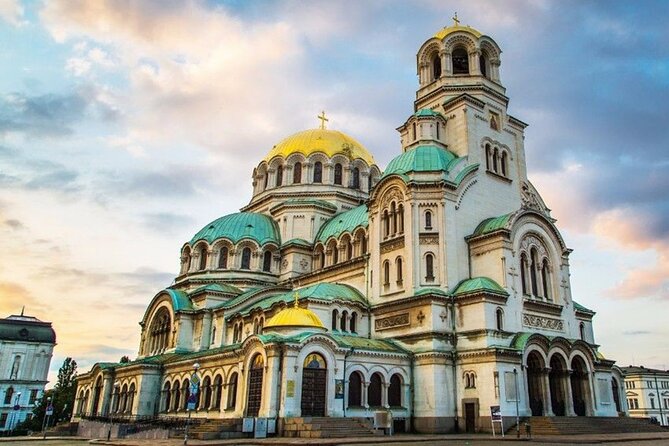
[(160, 331), (255, 385), (580, 386), (557, 381), (375, 390), (355, 380), (314, 386)]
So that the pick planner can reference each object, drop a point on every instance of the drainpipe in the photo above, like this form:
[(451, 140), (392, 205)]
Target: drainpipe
[(278, 387), (454, 356), (343, 400), (413, 393), (369, 313)]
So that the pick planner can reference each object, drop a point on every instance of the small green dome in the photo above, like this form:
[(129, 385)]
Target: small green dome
[(344, 222), (426, 158), (243, 225)]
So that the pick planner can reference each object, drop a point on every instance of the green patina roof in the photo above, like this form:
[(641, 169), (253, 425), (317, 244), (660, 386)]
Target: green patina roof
[(307, 202), (492, 224), (579, 307), (427, 112), (242, 225), (342, 340), (478, 284), (297, 241), (321, 291), (520, 340), (426, 158), (180, 300), (344, 222), (217, 287), (241, 298), (430, 290)]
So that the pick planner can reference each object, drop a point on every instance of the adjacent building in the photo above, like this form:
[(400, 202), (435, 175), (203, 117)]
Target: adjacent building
[(26, 347), (647, 393), (435, 288)]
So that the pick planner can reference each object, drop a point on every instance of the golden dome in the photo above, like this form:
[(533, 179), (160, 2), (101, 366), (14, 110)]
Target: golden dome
[(452, 29), (329, 142), (295, 317)]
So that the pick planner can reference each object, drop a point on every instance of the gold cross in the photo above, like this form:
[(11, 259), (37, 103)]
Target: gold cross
[(456, 22), (323, 119), (297, 297)]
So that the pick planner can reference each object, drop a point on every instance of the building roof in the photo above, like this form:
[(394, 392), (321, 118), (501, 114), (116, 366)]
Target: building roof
[(26, 329), (453, 29), (328, 142), (477, 284), (344, 222), (180, 300), (493, 224), (641, 370), (424, 158), (216, 288), (579, 307), (427, 112), (242, 225), (295, 317)]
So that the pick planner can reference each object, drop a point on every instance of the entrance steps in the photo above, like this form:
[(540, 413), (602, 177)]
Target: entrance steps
[(328, 427), (215, 429), (591, 425)]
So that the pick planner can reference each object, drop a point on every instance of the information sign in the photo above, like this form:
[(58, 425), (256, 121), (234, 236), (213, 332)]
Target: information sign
[(49, 410), (261, 428), (496, 417), (339, 389), (192, 399), (271, 426), (247, 425), (290, 388)]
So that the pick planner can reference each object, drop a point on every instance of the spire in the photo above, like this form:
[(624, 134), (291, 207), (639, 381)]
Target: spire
[(23, 309)]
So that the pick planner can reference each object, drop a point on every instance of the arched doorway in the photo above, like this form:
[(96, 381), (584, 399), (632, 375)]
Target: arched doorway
[(616, 393), (579, 385), (556, 379), (314, 386), (535, 367), (374, 390), (254, 399)]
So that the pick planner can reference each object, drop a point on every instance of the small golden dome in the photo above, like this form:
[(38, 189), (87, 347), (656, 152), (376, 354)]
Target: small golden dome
[(452, 29), (295, 317), (328, 142)]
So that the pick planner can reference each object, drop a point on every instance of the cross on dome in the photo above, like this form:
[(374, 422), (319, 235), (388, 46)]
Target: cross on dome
[(323, 119), (456, 22), (297, 297)]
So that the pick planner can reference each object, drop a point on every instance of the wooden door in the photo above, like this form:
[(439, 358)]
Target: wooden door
[(313, 392), (470, 417)]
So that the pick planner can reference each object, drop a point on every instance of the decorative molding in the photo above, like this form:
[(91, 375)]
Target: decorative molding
[(462, 195), (547, 323), (542, 307), (429, 238), (392, 244), (398, 320)]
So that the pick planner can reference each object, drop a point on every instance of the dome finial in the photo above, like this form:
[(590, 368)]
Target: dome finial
[(297, 297), (456, 22), (323, 119)]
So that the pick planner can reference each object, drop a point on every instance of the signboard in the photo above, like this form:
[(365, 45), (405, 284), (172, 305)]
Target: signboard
[(339, 389), (247, 425), (49, 410), (495, 413), (510, 386), (271, 426), (192, 399), (290, 388), (261, 428)]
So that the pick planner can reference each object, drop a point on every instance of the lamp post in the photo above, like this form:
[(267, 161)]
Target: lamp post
[(117, 385), (515, 383), (190, 403), (659, 398), (46, 416), (343, 398)]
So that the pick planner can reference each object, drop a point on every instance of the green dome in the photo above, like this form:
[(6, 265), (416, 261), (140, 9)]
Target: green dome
[(427, 158), (243, 225), (344, 222)]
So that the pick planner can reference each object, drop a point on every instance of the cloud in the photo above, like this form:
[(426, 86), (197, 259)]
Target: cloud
[(637, 332), (167, 221), (14, 224), (14, 296), (11, 12)]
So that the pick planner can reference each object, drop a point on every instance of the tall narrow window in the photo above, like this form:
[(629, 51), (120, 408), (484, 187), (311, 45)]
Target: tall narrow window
[(460, 60), (488, 156), (223, 258), (8, 395), (482, 66), (267, 261), (437, 128), (343, 320), (398, 265), (386, 273), (428, 220), (400, 219), (523, 272), (353, 322), (335, 316), (246, 258), (203, 258), (386, 224), (533, 271), (297, 173), (503, 163), (499, 315), (395, 391), (338, 174), (266, 179), (232, 391), (413, 127), (279, 176), (335, 255), (356, 178), (318, 172), (436, 67), (349, 250), (363, 241), (581, 329), (544, 279), (429, 267), (354, 389), (495, 160), (393, 216)]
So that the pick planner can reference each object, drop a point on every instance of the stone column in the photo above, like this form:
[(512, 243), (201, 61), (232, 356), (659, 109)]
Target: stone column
[(384, 395), (569, 396), (363, 397), (449, 63), (474, 57), (548, 408), (444, 63)]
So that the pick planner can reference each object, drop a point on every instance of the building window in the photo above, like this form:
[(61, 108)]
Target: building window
[(533, 271), (342, 321), (279, 176), (398, 265), (374, 390), (482, 65), (246, 258), (338, 174), (499, 316), (318, 172), (395, 391), (414, 130), (429, 267), (203, 258), (523, 274), (386, 224), (400, 214), (335, 316), (3, 420), (223, 258), (232, 391), (267, 261), (470, 380), (436, 67), (428, 220), (354, 321), (33, 396), (652, 403), (8, 395), (581, 329), (356, 178), (460, 60), (386, 273), (297, 173), (544, 278), (504, 163)]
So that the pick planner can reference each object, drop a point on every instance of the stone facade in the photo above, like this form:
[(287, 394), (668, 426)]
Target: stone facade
[(647, 393), (443, 282)]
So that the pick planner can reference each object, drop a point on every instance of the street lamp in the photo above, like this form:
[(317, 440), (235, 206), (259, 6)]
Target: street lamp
[(117, 385), (192, 395), (46, 417)]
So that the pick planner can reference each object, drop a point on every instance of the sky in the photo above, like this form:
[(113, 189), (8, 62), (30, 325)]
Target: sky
[(125, 127)]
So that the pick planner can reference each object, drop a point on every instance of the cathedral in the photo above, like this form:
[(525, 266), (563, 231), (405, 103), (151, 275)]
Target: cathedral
[(432, 290)]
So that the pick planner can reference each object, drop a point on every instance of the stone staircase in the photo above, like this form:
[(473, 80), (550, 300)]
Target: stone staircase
[(590, 425), (216, 428), (327, 427)]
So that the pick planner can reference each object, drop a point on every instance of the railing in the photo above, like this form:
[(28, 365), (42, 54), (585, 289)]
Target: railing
[(143, 422)]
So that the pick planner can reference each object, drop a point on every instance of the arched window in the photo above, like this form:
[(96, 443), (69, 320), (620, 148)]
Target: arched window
[(413, 127), (488, 156), (203, 258), (167, 397), (393, 216), (232, 391), (223, 258), (363, 244), (533, 271), (428, 220), (265, 181), (342, 321), (8, 395), (206, 394), (335, 254), (185, 391), (398, 267), (495, 160), (159, 332), (395, 391), (460, 60), (369, 182), (503, 163), (297, 173), (545, 282), (349, 250), (218, 390), (400, 219), (499, 318), (353, 322), (523, 272), (246, 258), (131, 397), (279, 176), (386, 224), (355, 183), (318, 172), (322, 259), (429, 267), (267, 261), (386, 273), (482, 65), (338, 174), (374, 390), (335, 316), (470, 380), (185, 260), (176, 402), (355, 390), (124, 398), (437, 128), (436, 67), (581, 329)]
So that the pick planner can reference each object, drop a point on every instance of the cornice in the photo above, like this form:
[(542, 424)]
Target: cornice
[(542, 307), (406, 303)]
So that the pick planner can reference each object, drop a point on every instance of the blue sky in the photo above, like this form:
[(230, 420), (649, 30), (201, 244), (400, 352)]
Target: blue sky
[(125, 127)]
